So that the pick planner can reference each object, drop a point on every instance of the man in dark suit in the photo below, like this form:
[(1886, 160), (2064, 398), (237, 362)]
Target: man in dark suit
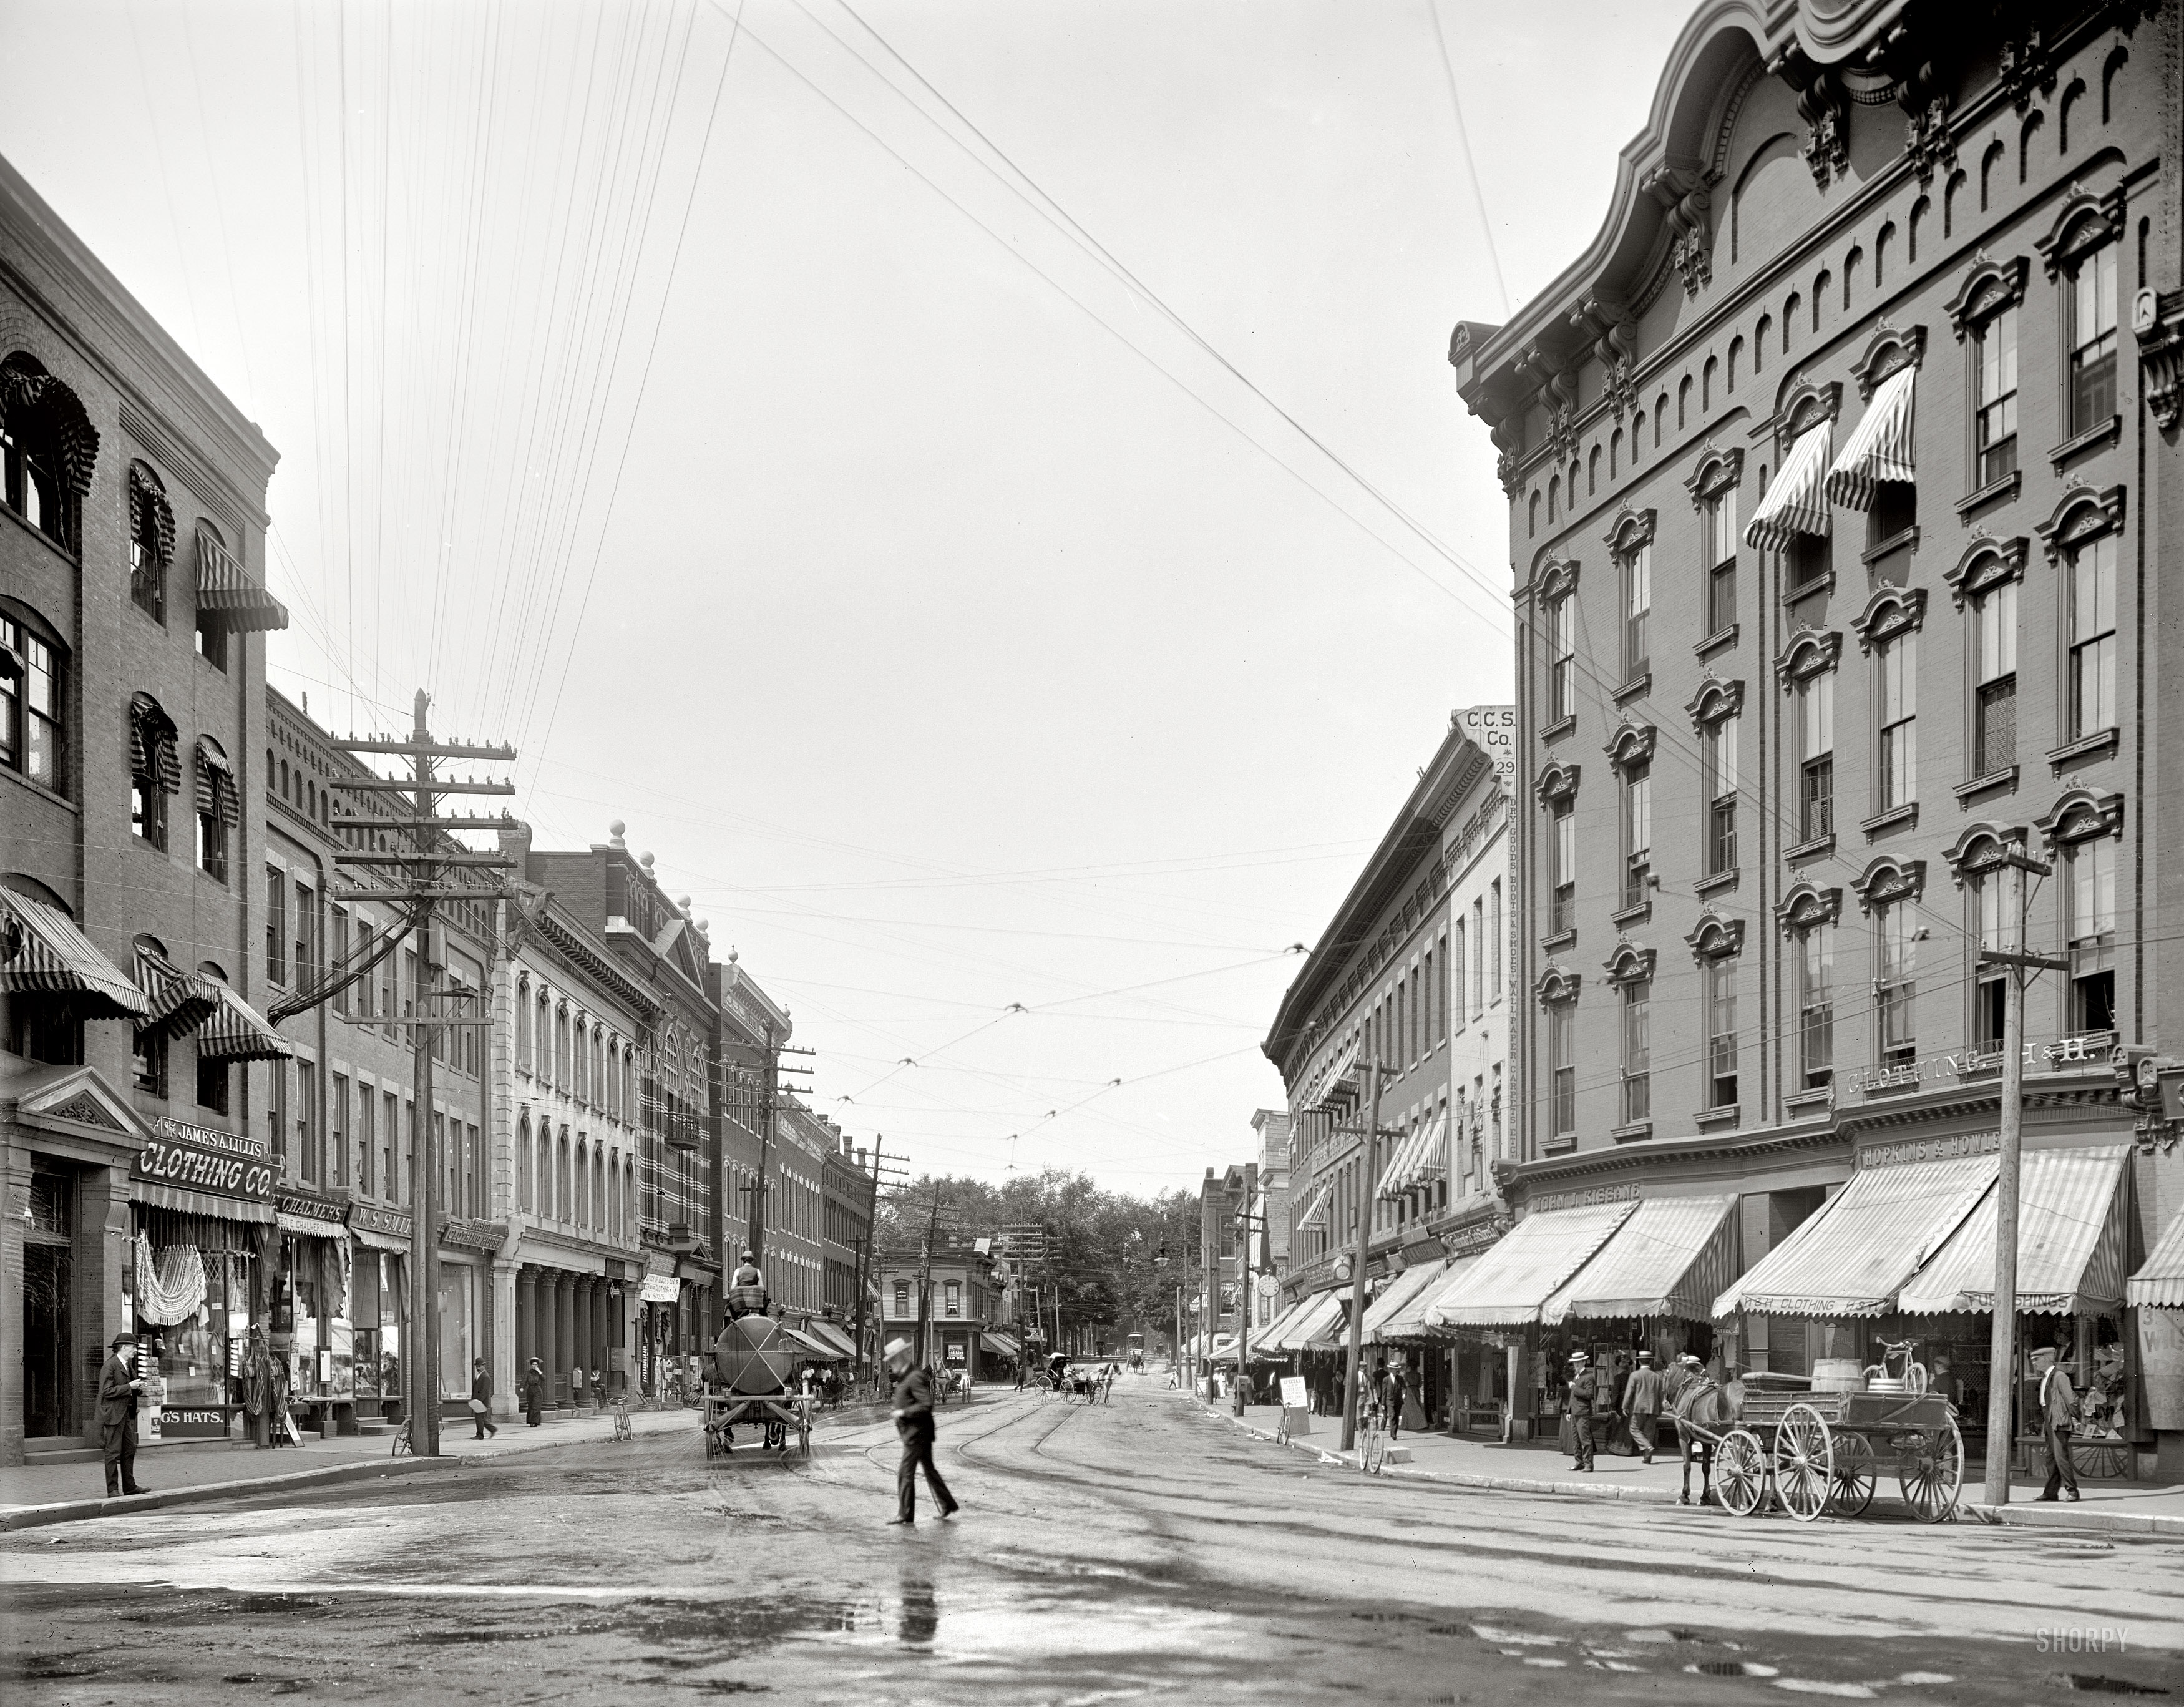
[(913, 1423), (1584, 1394), (481, 1399), (2058, 1403), (118, 1387)]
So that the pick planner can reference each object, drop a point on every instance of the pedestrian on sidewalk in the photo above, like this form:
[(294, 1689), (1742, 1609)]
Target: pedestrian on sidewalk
[(914, 1426), (2059, 1405), (534, 1393), (118, 1387), (1583, 1394), (482, 1399), (1641, 1404)]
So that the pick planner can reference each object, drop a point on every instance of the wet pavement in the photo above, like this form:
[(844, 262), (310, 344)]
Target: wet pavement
[(1137, 1550)]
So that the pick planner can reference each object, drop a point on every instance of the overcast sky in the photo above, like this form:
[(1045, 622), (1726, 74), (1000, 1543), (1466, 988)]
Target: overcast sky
[(793, 471)]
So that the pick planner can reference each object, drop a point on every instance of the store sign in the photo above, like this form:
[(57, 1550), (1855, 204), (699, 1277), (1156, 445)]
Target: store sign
[(207, 1422), (393, 1223), (1930, 1149), (2087, 1049), (197, 1158), (1579, 1200), (1494, 729), (315, 1210), (1468, 1241)]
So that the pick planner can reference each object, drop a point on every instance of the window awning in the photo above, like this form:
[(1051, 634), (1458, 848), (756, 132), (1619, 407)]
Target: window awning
[(229, 596), (1421, 1158), (1852, 1255), (1397, 1293), (1672, 1258), (2070, 1241), (237, 1031), (180, 1001), (1341, 1087), (1880, 447), (1509, 1285), (2159, 1284), (42, 952), (1798, 502), (1316, 1205)]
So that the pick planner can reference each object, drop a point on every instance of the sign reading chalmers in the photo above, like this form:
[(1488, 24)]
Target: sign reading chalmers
[(198, 1158)]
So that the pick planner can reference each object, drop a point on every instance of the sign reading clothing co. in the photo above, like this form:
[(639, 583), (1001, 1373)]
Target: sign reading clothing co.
[(197, 1158)]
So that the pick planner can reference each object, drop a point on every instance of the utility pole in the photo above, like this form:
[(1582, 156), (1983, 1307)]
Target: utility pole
[(865, 1257), (1359, 1247), (428, 865), (2002, 1370)]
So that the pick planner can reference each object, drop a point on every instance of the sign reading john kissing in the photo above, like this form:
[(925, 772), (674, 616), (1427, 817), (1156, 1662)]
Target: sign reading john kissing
[(198, 1158)]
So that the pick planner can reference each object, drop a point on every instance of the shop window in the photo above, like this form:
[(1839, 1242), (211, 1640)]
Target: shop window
[(1816, 1005)]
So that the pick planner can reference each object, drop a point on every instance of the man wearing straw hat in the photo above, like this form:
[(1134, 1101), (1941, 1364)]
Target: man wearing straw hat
[(1584, 1394), (913, 1422)]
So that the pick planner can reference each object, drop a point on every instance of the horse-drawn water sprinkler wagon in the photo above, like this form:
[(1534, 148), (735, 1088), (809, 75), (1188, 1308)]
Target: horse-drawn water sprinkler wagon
[(752, 1376)]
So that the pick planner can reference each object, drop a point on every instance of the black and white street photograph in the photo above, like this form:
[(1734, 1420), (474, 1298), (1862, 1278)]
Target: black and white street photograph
[(844, 855)]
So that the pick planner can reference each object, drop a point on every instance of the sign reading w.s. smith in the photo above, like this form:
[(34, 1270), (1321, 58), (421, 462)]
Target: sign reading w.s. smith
[(198, 1158)]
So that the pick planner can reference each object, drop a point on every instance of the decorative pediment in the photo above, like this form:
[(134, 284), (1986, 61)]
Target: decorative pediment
[(1630, 530), (1888, 879), (1806, 904), (1557, 579), (1632, 745), (1557, 785), (1715, 937), (1887, 352), (1989, 287), (1802, 405), (81, 1096), (1891, 611), (1714, 700), (2083, 514), (2083, 223), (1980, 848), (1629, 964), (2080, 815), (1717, 472), (1807, 652), (1557, 984), (1987, 562)]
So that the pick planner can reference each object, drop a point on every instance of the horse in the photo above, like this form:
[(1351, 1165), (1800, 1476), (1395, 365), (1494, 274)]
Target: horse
[(1702, 1413)]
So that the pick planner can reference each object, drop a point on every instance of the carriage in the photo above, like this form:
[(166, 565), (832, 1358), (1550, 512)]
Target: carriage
[(751, 1377), (1819, 1450)]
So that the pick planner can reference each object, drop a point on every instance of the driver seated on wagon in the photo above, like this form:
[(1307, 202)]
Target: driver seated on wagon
[(747, 1294)]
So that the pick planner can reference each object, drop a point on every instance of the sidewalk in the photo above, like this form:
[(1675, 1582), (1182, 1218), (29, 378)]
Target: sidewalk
[(1472, 1461)]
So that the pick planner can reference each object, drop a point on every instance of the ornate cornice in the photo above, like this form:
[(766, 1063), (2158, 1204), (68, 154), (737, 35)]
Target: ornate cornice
[(2081, 514), (1715, 472), (1891, 611), (1556, 783), (1987, 562), (2082, 224), (1631, 745), (1715, 937), (1629, 964), (1887, 351), (1979, 848), (1887, 878), (1804, 905), (1714, 700), (2080, 815), (1629, 531), (1557, 984), (1989, 286), (1807, 652)]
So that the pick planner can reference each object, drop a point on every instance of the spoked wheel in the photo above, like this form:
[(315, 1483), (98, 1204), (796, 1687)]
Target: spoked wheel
[(1931, 1470), (1804, 1463), (1857, 1473), (1740, 1472)]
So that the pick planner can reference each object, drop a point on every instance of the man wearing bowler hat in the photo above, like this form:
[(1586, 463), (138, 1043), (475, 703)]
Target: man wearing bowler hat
[(913, 1422), (118, 1387)]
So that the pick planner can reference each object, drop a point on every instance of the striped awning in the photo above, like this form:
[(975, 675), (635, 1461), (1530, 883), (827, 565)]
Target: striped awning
[(215, 1204), (1420, 1158), (1316, 1205), (1398, 1293), (1272, 1333), (230, 595), (1672, 1258), (46, 954), (1510, 1284), (180, 1001), (153, 754), (1852, 1255), (1341, 1086), (2159, 1285), (811, 1342), (843, 1344), (1797, 501), (1880, 447), (1408, 1320), (237, 1031), (1321, 1309), (2070, 1260)]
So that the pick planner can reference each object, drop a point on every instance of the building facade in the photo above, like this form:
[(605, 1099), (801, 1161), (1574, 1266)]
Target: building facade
[(850, 1189), (139, 1167), (946, 1305), (1835, 474)]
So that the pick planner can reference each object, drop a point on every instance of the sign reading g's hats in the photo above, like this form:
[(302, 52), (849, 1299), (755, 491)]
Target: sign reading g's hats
[(198, 1158)]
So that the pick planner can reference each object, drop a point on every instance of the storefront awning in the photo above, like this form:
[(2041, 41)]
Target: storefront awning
[(1510, 1284), (1273, 1332), (227, 591), (1422, 1156), (215, 1204), (1407, 1322), (1880, 447), (1798, 502), (832, 1336), (2159, 1285), (1672, 1257), (812, 1343), (43, 953), (1852, 1257), (372, 1239), (1399, 1293), (1007, 1342), (2070, 1258), (987, 1342), (1321, 1308), (237, 1031)]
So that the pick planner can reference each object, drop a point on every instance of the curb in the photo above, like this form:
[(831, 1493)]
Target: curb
[(2036, 1515)]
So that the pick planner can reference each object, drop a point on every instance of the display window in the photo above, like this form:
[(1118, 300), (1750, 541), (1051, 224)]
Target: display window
[(190, 1286)]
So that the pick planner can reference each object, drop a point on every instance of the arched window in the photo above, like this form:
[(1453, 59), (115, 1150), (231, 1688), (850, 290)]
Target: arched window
[(1760, 334), (1990, 171), (1554, 499), (2114, 63), (600, 1090), (542, 1039), (1881, 254), (612, 1227), (583, 1183), (1637, 436), (1706, 382), (1790, 305), (1921, 211), (1614, 452), (48, 448), (1851, 263), (151, 541), (1683, 402), (599, 1193), (1956, 187), (580, 1058), (629, 1200), (523, 1199), (32, 700), (523, 1028), (1534, 524), (1820, 295), (155, 768), (563, 1199), (1736, 361), (1591, 473), (2024, 143), (2071, 96)]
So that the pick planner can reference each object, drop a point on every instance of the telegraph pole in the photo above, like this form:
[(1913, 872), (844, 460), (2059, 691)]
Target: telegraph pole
[(2002, 1371), (1360, 1246), (428, 865)]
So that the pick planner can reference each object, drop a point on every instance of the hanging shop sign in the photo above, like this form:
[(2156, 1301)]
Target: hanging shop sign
[(464, 1233), (1930, 1149), (313, 1217), (1468, 1241), (2085, 1049), (393, 1224), (198, 1158)]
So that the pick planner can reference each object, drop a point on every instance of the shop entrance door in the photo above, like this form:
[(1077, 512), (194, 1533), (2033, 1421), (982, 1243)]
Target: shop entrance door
[(48, 1346)]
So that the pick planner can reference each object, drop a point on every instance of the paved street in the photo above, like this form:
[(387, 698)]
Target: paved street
[(1140, 1549)]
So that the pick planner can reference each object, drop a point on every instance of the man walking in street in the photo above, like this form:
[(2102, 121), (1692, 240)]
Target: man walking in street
[(913, 1423), (2059, 1405), (482, 1399), (1641, 1404), (118, 1387), (1584, 1394)]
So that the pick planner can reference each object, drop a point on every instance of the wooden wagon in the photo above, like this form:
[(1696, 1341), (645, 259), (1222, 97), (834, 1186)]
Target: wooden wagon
[(751, 1378), (1827, 1451)]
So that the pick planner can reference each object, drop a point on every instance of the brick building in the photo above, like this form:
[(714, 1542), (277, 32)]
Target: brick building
[(1835, 480)]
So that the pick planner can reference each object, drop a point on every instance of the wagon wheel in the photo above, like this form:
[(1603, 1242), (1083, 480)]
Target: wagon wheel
[(1740, 1472), (1804, 1463), (1931, 1470), (1857, 1473)]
